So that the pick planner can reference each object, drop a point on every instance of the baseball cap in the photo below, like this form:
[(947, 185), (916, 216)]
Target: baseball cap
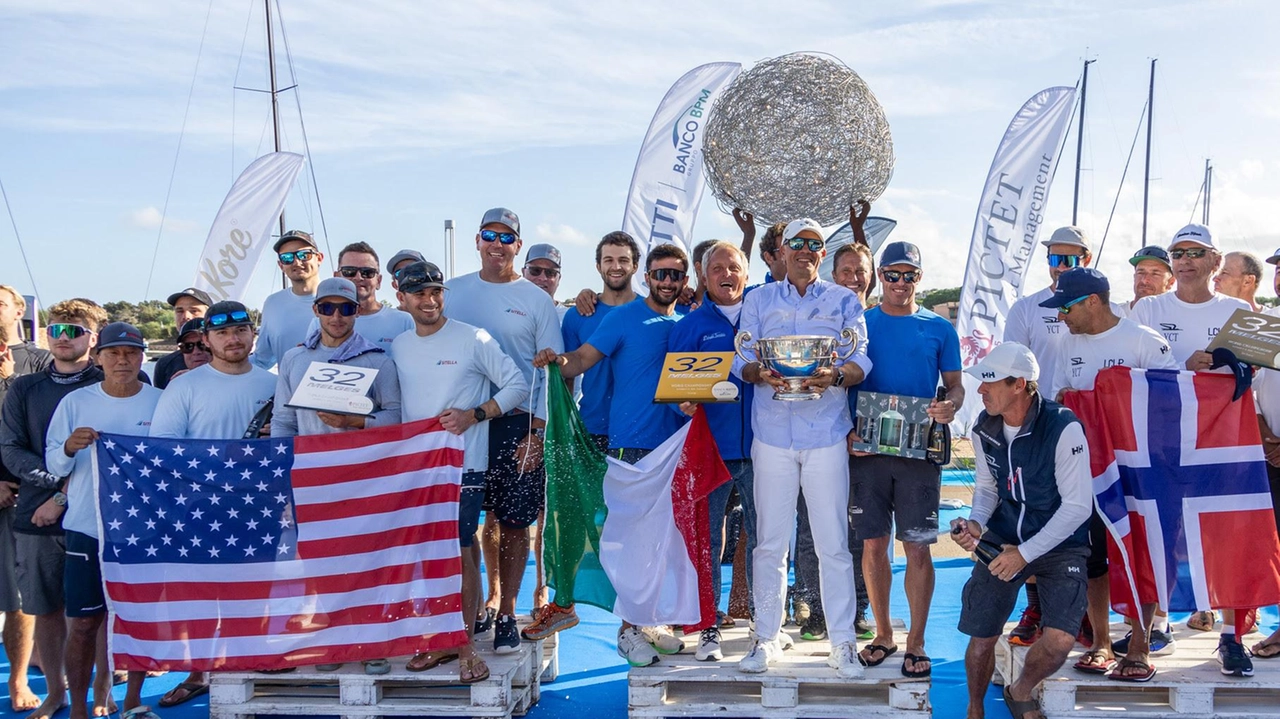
[(420, 276), (1274, 258), (1006, 360), (900, 253), (1076, 283), (293, 235), (227, 313), (198, 295), (502, 216), (1195, 233), (543, 251), (401, 256), (1158, 253), (336, 287), (196, 325), (795, 227), (120, 334), (1069, 235)]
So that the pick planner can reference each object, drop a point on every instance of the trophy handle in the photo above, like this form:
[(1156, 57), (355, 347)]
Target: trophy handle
[(851, 340), (740, 342)]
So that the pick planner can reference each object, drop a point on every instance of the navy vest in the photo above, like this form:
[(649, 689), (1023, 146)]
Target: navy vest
[(1024, 472)]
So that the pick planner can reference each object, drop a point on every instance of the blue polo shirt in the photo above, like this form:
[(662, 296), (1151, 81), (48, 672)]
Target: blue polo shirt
[(634, 338), (706, 329), (934, 348), (597, 382)]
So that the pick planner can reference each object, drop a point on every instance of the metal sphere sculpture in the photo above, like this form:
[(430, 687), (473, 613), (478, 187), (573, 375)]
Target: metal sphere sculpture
[(797, 136)]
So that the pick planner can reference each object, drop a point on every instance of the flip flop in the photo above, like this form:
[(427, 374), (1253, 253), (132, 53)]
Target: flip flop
[(469, 666), (441, 659), (1118, 674), (376, 667), (914, 658), (192, 689), (1019, 709), (1089, 665), (885, 653), (1266, 650)]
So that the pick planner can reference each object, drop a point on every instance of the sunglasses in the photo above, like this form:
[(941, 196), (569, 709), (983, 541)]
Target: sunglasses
[(550, 272), (1195, 253), (68, 331), (796, 243), (894, 276), (189, 347), (287, 258), (346, 309), (506, 238), (367, 273), (1056, 261), (1066, 309), (224, 318), (664, 274)]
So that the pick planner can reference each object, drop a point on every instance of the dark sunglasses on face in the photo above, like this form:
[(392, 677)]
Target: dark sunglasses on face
[(664, 274), (69, 331), (506, 238), (893, 276), (1056, 261), (550, 272), (223, 318), (367, 273), (189, 347), (1066, 309), (1194, 253), (796, 243), (346, 309), (287, 258)]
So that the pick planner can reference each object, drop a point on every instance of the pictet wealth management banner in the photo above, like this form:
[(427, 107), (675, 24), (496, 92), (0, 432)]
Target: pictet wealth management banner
[(667, 185), (243, 225), (1010, 214)]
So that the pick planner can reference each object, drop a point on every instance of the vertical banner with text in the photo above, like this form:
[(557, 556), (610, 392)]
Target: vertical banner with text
[(240, 231), (1010, 214), (667, 185)]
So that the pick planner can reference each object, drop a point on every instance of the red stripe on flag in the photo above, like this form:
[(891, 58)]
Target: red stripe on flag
[(698, 473), (1219, 423), (385, 467), (366, 438), (379, 504), (403, 646), (362, 543), (1245, 576)]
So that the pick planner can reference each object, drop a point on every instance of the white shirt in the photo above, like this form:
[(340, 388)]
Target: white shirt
[(1186, 327), (1040, 329), (285, 319), (207, 404), (1266, 388), (92, 407), (1128, 344), (380, 328), (457, 367), (520, 315)]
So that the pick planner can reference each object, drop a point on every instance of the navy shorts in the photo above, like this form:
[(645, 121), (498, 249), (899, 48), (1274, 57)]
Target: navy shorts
[(512, 493), (888, 491), (82, 577), (469, 505), (987, 601)]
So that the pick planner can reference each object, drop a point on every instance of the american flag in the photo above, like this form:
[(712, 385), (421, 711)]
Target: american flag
[(239, 555), (1180, 480)]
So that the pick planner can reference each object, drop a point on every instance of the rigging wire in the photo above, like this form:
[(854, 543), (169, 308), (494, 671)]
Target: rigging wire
[(164, 213), (1123, 174), (248, 20), (21, 248)]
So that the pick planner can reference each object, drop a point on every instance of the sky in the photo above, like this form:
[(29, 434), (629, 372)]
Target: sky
[(115, 116)]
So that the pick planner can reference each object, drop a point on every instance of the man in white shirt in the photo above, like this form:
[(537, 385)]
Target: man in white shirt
[(1152, 273), (1240, 277), (448, 369), (286, 314), (380, 325), (1266, 385)]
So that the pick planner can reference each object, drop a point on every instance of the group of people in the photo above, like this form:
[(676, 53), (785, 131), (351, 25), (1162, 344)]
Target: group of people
[(470, 349)]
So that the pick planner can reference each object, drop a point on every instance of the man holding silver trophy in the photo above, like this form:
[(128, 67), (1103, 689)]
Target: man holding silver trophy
[(811, 345)]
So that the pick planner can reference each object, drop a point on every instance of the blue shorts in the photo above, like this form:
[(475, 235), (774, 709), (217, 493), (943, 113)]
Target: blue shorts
[(469, 507), (82, 577)]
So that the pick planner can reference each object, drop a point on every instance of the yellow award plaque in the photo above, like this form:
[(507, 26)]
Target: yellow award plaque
[(695, 377)]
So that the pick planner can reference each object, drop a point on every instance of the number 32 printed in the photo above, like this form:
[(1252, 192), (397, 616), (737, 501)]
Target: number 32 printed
[(330, 375)]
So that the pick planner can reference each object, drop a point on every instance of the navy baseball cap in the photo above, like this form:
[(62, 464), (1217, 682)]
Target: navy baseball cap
[(1076, 283), (900, 253), (196, 294), (194, 325), (1154, 252), (294, 235), (120, 334), (502, 216), (420, 276), (227, 313)]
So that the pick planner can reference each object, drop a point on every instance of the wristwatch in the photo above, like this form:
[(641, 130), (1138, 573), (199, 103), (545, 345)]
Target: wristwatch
[(539, 432), (839, 380), (60, 499), (479, 414)]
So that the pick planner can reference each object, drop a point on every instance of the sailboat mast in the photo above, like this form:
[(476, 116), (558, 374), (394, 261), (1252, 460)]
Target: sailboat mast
[(1084, 93), (1146, 175), (1208, 190), (275, 106)]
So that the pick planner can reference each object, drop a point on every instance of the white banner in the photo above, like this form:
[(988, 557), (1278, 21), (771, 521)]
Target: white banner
[(666, 187), (1004, 234), (243, 225)]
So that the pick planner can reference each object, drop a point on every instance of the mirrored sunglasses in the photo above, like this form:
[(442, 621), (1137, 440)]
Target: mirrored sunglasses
[(506, 238), (1066, 309), (1056, 261), (664, 274), (225, 318), (287, 258), (894, 276), (69, 331), (796, 243), (346, 309), (1193, 253)]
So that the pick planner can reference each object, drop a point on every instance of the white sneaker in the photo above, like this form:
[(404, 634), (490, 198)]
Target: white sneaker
[(709, 646), (662, 639), (633, 647), (844, 659), (784, 641), (760, 656)]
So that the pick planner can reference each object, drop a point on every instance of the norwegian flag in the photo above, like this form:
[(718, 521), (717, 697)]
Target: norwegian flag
[(1180, 479), (272, 553)]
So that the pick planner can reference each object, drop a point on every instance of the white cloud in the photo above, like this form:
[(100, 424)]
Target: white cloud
[(149, 218)]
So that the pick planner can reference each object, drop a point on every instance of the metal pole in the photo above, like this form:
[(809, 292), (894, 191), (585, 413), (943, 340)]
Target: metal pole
[(1084, 93), (275, 108), (449, 248), (1146, 175), (1208, 189)]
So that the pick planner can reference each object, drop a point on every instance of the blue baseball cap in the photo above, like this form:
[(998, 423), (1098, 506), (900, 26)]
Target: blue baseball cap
[(120, 334), (900, 253), (1076, 283)]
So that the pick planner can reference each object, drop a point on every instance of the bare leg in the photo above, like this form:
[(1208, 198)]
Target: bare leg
[(980, 664), (1044, 658), (919, 583), (540, 594), (82, 643), (1140, 640), (489, 541), (1099, 593), (513, 554), (18, 631), (879, 577), (51, 640), (104, 679), (133, 692)]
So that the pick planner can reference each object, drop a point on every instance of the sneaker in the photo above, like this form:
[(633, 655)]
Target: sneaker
[(506, 638), (485, 625), (863, 628), (814, 630), (551, 618), (760, 656), (1235, 661), (633, 647), (844, 659), (1028, 629), (709, 646), (662, 639), (1161, 642)]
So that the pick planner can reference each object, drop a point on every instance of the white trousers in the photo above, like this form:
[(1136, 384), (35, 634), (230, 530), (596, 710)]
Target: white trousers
[(780, 474)]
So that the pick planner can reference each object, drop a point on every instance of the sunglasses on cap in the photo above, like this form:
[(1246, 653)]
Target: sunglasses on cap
[(894, 276), (225, 318), (1066, 309), (1193, 253), (189, 347), (66, 330), (535, 271), (1056, 261), (506, 238), (796, 243), (663, 274), (367, 273), (287, 258), (346, 309)]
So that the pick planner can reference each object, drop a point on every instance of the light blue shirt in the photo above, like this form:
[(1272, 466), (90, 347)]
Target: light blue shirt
[(777, 309)]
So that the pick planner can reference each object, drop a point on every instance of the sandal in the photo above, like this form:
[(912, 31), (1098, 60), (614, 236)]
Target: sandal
[(1202, 621), (192, 689), (428, 660), (1149, 670), (376, 667), (1266, 649), (885, 653), (916, 659), (1096, 661), (1019, 709), (472, 670)]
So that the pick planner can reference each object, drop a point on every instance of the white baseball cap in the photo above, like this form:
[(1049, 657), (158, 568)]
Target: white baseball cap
[(1006, 360), (795, 227), (1195, 233)]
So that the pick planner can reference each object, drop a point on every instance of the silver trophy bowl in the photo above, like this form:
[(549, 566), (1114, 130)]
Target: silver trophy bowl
[(796, 358)]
